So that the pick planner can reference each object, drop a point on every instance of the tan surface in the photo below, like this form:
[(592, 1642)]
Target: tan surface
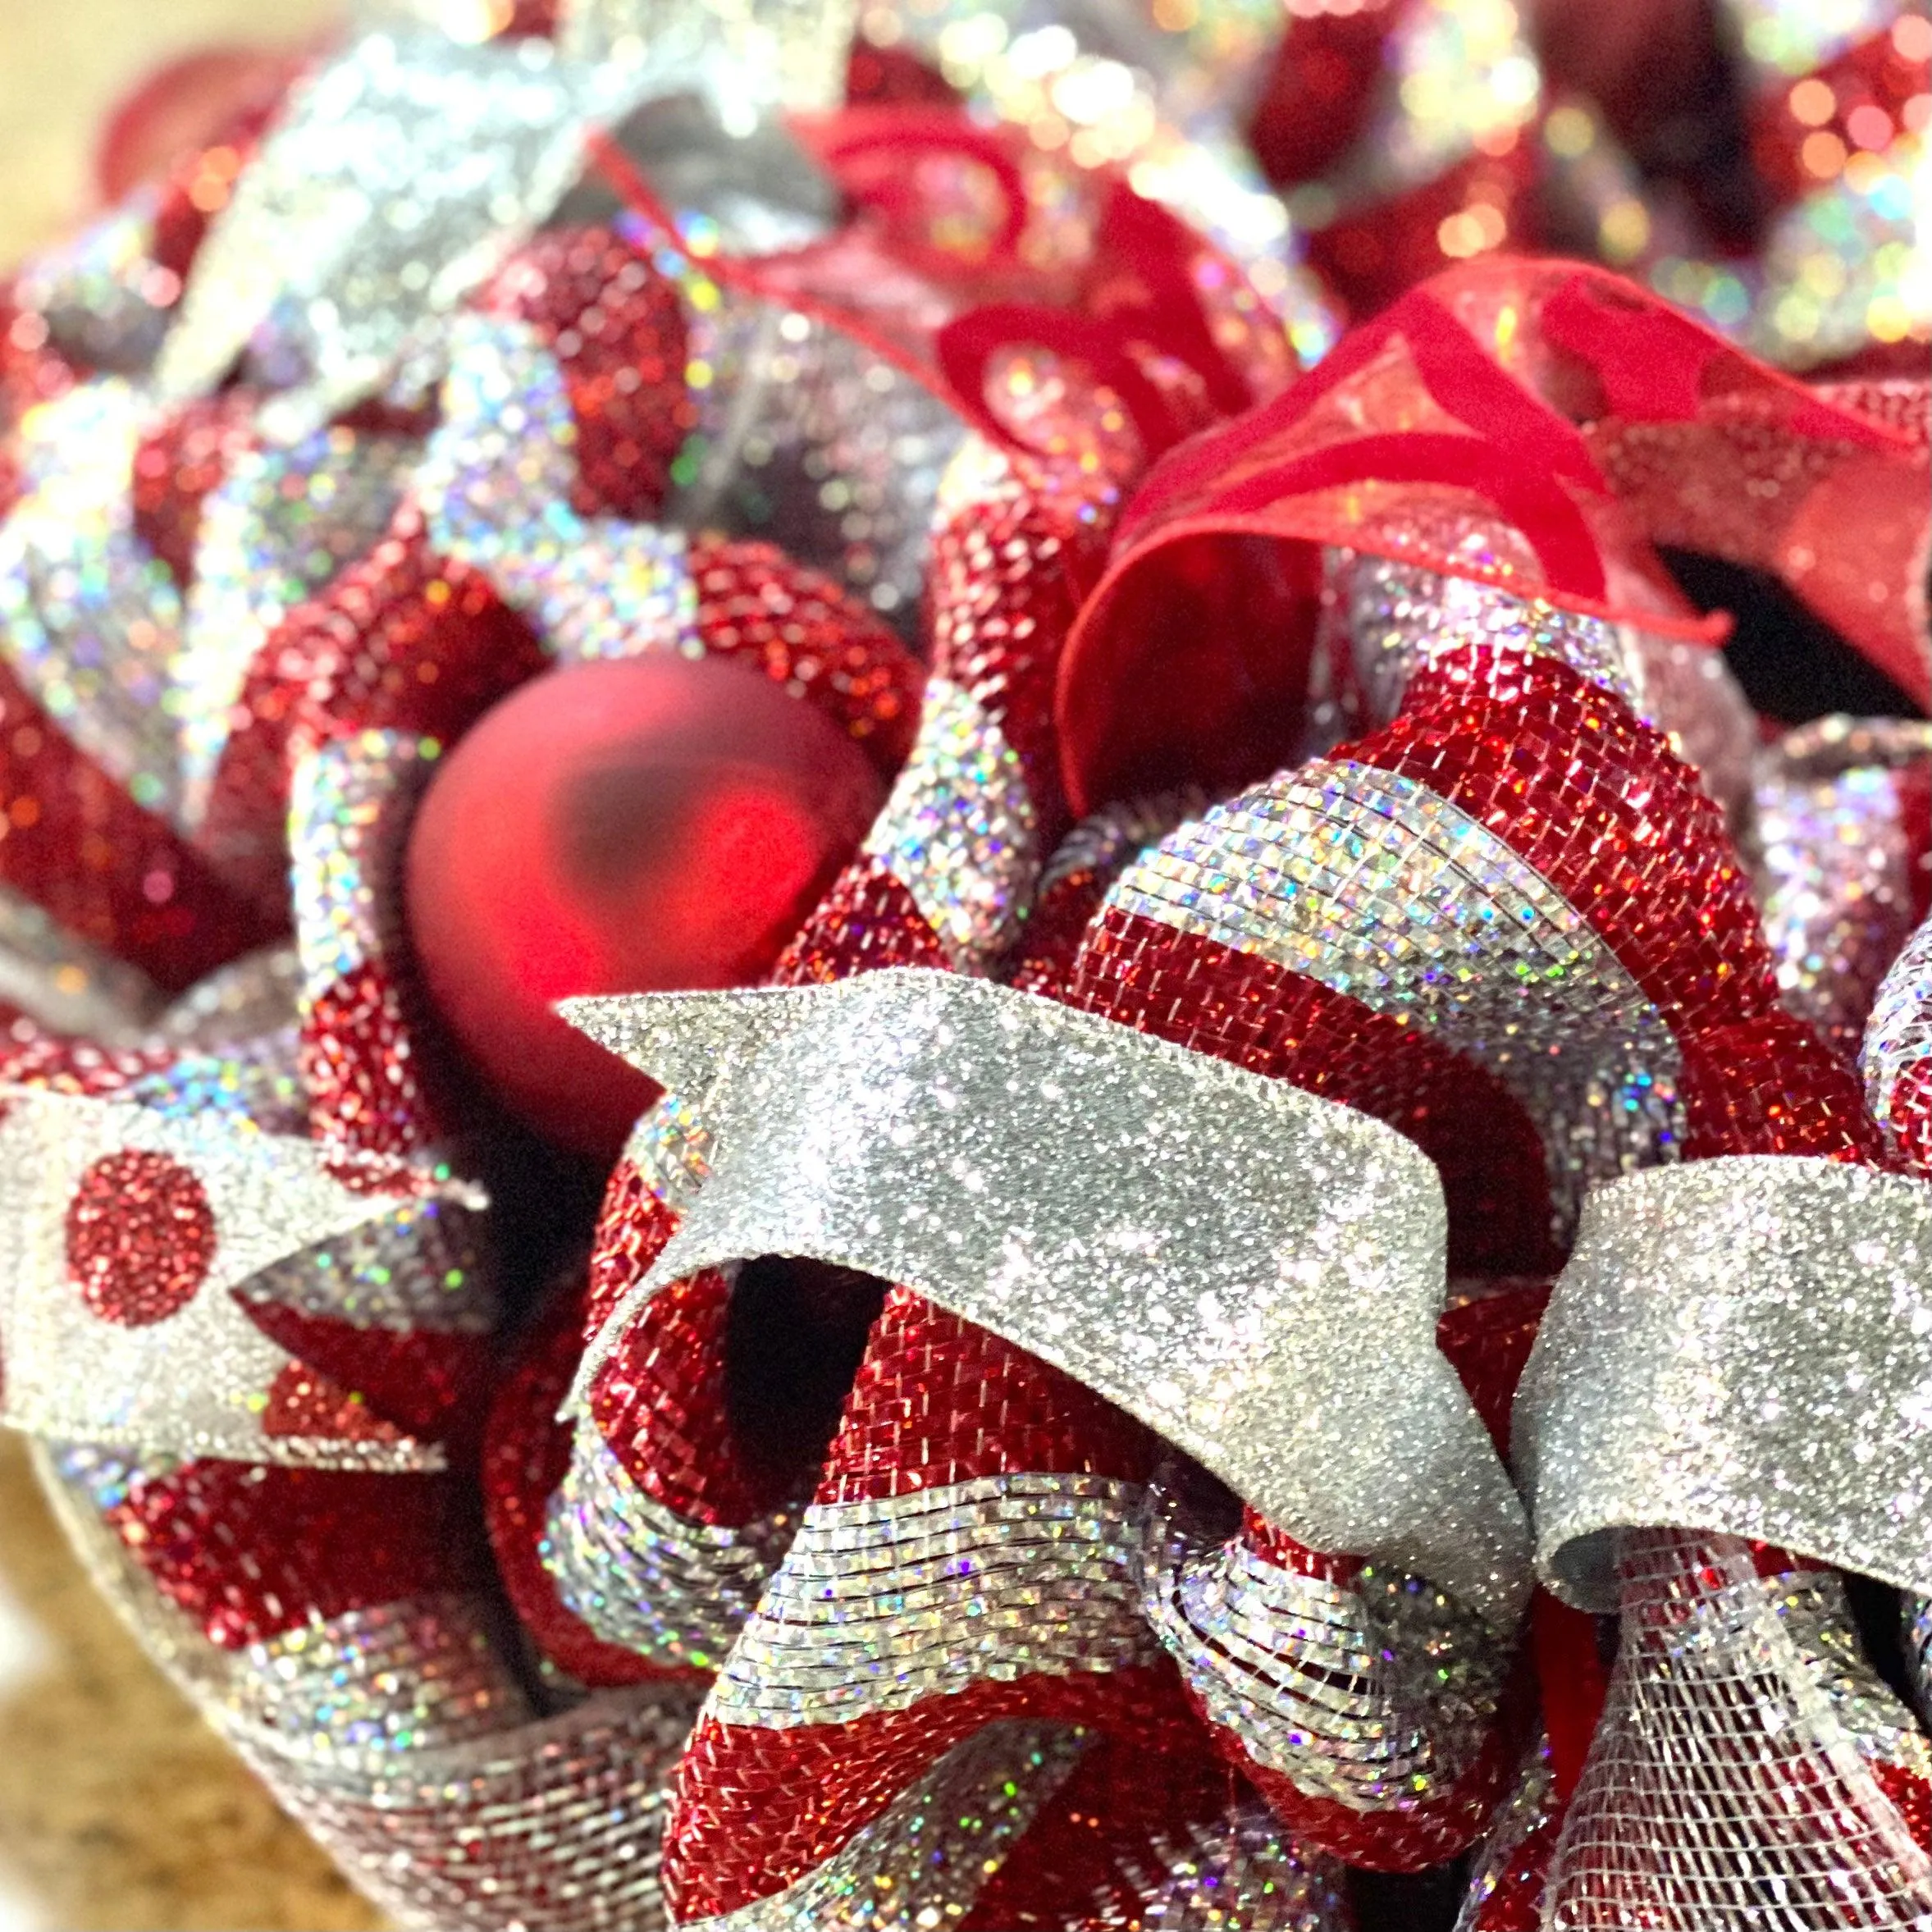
[(63, 62), (120, 1811)]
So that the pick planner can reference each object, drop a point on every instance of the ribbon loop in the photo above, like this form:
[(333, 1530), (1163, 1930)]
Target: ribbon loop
[(1253, 1271), (1741, 1345)]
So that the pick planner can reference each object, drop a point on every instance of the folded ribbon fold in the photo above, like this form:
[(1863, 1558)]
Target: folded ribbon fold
[(1252, 1270), (1741, 1345)]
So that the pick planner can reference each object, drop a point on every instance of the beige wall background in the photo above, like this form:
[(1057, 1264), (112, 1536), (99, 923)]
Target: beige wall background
[(64, 62), (119, 1810)]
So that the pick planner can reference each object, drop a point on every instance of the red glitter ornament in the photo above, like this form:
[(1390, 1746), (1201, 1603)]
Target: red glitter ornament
[(659, 823), (140, 1238)]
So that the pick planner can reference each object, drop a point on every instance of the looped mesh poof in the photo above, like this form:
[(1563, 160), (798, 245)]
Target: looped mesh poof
[(1369, 1688), (1750, 1769), (423, 1770), (660, 1505), (1366, 1704), (1896, 1056)]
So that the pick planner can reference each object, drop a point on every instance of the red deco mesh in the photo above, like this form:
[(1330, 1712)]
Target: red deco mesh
[(524, 1459), (408, 640), (619, 331), (939, 1401), (1011, 556), (175, 467), (109, 871)]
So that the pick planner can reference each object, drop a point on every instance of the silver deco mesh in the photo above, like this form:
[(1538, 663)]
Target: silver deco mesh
[(1375, 1694), (923, 1861), (471, 1813), (1527, 1811), (1834, 861), (813, 441), (1240, 1872), (640, 1575), (496, 485), (1369, 882), (552, 1827), (1105, 843), (1898, 1036), (1735, 1780), (1396, 618), (884, 1601)]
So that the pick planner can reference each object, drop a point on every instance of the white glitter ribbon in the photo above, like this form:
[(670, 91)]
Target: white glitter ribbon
[(1253, 1270), (194, 1382), (1741, 1345)]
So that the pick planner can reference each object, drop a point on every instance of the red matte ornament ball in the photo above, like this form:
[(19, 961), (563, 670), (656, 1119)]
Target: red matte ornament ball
[(644, 825)]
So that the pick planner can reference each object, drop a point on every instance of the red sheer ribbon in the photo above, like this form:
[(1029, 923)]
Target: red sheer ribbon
[(1128, 314), (1575, 417)]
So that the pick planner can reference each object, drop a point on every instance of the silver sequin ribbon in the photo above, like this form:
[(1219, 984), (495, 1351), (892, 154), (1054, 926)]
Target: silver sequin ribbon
[(1253, 1270)]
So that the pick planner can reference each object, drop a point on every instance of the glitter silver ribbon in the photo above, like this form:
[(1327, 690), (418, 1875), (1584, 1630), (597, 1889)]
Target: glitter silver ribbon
[(1741, 1345), (194, 1383), (398, 174), (1254, 1272)]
